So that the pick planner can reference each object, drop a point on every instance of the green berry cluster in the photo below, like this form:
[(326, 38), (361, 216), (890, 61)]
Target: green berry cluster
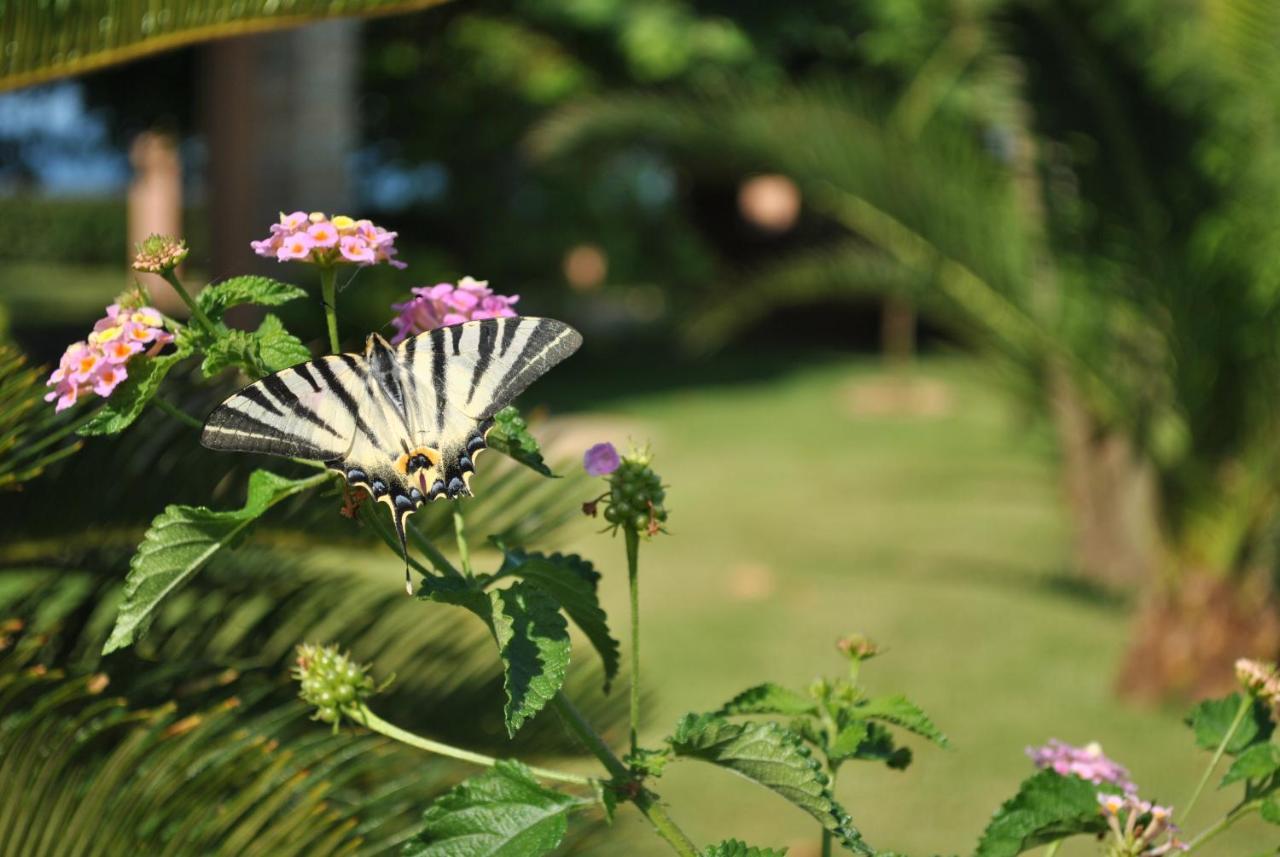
[(331, 681), (636, 497)]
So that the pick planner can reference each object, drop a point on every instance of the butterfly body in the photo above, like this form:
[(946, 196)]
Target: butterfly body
[(403, 422)]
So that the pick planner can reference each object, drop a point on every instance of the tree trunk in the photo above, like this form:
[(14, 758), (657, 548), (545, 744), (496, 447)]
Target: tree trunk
[(1111, 495), (1186, 638)]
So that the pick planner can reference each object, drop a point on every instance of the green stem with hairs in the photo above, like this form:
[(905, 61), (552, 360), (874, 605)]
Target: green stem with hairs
[(177, 413), (329, 294), (1222, 824), (644, 800), (367, 718), (1245, 704), (633, 577), (196, 313)]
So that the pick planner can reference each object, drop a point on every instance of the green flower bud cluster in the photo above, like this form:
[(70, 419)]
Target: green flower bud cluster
[(636, 496), (159, 254), (331, 681)]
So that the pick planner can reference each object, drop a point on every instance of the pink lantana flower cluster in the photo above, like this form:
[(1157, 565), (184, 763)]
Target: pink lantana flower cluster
[(445, 303), (1087, 763), (1136, 825), (323, 240), (98, 363)]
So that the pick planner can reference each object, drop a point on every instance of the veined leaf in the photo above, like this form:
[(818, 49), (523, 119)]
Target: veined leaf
[(510, 436), (533, 641), (902, 712), (769, 698), (128, 401), (1260, 760), (848, 740), (1212, 719), (573, 582), (268, 349), (772, 756), (738, 848), (504, 812), (180, 541), (1047, 807), (217, 298)]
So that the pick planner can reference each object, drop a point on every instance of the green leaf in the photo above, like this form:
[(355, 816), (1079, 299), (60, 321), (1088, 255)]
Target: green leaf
[(129, 400), (848, 740), (901, 712), (533, 640), (769, 698), (738, 848), (180, 541), (504, 812), (573, 582), (268, 349), (1212, 719), (874, 744), (772, 756), (1270, 810), (1048, 807), (1260, 760), (510, 436), (217, 298)]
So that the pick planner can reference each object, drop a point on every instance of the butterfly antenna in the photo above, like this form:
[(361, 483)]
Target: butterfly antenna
[(404, 549)]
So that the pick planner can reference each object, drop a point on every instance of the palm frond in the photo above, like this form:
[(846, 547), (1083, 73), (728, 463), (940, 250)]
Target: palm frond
[(32, 436), (46, 40)]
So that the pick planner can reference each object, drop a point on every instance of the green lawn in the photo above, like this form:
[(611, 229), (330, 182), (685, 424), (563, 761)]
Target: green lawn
[(796, 518)]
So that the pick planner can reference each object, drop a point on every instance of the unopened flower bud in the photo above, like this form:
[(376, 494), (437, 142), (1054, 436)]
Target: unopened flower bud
[(1260, 678), (160, 254), (858, 647), (331, 681), (636, 496)]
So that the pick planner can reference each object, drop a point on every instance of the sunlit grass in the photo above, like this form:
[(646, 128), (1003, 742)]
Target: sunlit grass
[(794, 519)]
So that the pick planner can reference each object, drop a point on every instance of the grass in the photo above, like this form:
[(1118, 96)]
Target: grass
[(796, 519)]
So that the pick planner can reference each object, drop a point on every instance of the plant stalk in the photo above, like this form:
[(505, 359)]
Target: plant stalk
[(1053, 848), (198, 314), (633, 578), (329, 295), (1245, 704), (1222, 824), (372, 721), (827, 839), (177, 413), (459, 531), (645, 800)]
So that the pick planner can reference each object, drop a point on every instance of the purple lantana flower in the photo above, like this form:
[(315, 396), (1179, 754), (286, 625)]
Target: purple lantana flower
[(445, 303), (324, 240), (1087, 763), (601, 459)]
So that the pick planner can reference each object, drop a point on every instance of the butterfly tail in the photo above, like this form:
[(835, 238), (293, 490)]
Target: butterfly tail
[(404, 550)]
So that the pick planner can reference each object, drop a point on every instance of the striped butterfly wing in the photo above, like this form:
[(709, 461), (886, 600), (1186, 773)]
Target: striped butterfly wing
[(405, 423)]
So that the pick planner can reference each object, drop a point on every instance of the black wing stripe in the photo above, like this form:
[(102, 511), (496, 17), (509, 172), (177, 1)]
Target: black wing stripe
[(229, 419), (509, 328), (455, 331), (411, 378), (302, 370), (488, 336), (384, 365), (529, 364), (343, 394), (260, 399), (438, 369), (277, 387)]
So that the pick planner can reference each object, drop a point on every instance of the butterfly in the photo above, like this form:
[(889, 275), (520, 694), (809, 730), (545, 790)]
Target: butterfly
[(403, 422)]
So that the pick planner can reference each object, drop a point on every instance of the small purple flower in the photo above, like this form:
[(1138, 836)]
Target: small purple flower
[(97, 364), (323, 240), (1087, 763), (445, 304), (601, 460)]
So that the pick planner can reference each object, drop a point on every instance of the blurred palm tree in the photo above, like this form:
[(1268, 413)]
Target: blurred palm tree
[(1086, 192)]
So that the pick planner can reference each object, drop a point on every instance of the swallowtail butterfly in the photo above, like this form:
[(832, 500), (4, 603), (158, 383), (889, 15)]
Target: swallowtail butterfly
[(405, 422)]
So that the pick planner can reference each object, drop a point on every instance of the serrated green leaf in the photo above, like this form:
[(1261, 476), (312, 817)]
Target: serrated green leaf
[(217, 298), (1260, 760), (504, 812), (772, 756), (738, 848), (1212, 719), (180, 541), (769, 698), (901, 712), (1270, 810), (268, 349), (533, 641), (848, 740), (510, 436), (129, 400), (1047, 807), (573, 582)]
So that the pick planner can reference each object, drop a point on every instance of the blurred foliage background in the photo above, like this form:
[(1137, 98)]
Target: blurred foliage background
[(954, 321)]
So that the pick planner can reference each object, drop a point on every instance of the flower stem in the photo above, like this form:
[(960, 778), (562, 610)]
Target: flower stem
[(1245, 704), (1222, 824), (178, 414), (1053, 848), (460, 533), (633, 577), (644, 800), (367, 718), (329, 294), (198, 314), (827, 839)]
